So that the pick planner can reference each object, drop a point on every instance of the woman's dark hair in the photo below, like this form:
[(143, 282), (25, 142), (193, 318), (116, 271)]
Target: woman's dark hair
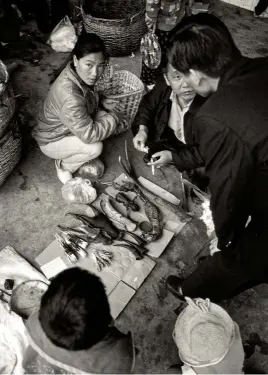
[(202, 42), (89, 43), (74, 311), (86, 43)]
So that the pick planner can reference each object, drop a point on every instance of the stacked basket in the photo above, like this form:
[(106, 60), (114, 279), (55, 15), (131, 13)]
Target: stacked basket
[(10, 139), (127, 89), (120, 23)]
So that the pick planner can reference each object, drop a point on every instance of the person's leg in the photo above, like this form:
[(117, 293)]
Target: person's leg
[(72, 152), (226, 273), (218, 277)]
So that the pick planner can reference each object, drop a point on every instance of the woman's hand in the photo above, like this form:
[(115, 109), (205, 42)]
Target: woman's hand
[(140, 140), (109, 104), (161, 158)]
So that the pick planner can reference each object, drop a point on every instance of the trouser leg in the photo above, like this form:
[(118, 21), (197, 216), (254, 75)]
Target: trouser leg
[(72, 152), (227, 274), (261, 7)]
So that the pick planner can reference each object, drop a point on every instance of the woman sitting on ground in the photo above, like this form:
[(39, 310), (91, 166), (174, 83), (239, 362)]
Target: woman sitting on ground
[(71, 126)]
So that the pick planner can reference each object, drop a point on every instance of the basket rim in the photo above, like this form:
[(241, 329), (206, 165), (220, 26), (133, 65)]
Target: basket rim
[(120, 96), (124, 95), (117, 21)]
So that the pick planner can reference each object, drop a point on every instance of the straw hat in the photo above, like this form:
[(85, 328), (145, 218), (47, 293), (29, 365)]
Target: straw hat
[(203, 332)]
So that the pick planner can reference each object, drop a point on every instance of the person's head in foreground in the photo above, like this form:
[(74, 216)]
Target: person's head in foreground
[(74, 311), (208, 339), (89, 57), (201, 50)]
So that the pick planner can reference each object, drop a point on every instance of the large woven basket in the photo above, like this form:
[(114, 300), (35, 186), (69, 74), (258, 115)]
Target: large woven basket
[(7, 99), (10, 150), (125, 87), (120, 23)]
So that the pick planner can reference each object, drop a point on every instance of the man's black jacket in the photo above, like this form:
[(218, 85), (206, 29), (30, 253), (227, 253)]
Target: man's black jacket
[(230, 135)]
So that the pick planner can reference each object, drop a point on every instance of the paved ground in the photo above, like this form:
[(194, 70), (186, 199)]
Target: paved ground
[(31, 206)]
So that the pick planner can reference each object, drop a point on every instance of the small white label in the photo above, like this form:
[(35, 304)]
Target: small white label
[(53, 267)]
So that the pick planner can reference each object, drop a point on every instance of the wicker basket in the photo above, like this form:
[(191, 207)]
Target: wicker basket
[(125, 87), (10, 150), (123, 34), (7, 99)]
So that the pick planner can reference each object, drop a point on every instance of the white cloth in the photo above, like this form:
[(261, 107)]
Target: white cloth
[(176, 117)]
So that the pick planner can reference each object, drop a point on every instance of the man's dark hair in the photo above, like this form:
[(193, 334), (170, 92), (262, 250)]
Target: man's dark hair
[(74, 311), (202, 42)]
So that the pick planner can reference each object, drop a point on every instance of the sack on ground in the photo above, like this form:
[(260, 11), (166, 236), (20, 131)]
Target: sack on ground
[(63, 38)]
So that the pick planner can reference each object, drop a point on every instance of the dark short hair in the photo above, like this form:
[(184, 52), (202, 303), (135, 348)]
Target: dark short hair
[(202, 42), (89, 43), (74, 311)]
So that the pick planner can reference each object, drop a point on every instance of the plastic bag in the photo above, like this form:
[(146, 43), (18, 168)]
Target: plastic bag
[(78, 190), (150, 50), (94, 169), (63, 37)]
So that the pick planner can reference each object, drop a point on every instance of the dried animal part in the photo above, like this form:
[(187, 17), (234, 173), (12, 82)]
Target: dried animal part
[(119, 221), (145, 226), (138, 255), (67, 249), (83, 231), (102, 258), (152, 212), (100, 222), (71, 256), (183, 217), (129, 204)]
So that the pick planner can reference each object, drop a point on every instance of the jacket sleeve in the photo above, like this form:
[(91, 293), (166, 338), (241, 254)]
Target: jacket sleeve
[(148, 107), (187, 157), (229, 167), (74, 114)]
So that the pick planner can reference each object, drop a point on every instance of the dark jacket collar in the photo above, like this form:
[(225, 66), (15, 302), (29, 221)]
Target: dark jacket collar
[(238, 66)]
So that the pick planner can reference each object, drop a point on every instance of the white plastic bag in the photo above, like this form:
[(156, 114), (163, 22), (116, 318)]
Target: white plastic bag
[(78, 190), (63, 37)]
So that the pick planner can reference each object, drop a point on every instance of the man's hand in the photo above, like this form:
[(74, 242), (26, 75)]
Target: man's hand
[(161, 158), (140, 140), (109, 104)]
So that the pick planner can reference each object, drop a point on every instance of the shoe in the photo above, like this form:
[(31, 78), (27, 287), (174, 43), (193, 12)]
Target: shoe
[(64, 176), (173, 285)]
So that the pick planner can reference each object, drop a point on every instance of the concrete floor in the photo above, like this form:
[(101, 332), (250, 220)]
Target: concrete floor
[(31, 207)]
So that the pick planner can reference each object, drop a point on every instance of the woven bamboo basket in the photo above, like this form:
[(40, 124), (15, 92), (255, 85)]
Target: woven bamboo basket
[(10, 150), (7, 99), (125, 87), (120, 23)]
